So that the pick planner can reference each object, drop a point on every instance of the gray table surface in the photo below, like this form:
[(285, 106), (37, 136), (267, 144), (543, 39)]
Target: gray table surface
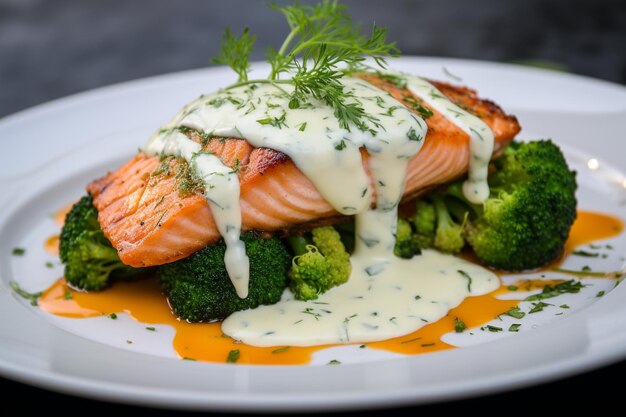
[(52, 48)]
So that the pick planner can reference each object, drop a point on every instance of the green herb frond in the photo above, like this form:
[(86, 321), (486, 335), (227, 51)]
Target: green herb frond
[(235, 52), (321, 46)]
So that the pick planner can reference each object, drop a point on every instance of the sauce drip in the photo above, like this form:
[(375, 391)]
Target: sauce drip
[(475, 188)]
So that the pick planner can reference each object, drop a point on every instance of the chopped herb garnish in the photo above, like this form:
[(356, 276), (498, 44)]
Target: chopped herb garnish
[(428, 344), (459, 326), (549, 291), (564, 306), (236, 167), (152, 329), (512, 288), (189, 359), (537, 307), (281, 350), (233, 356), (375, 269), (469, 279), (113, 316), (302, 127), (32, 297), (585, 253), (390, 110), (362, 347), (514, 312), (18, 251), (514, 327), (49, 264), (395, 79), (341, 145), (67, 295), (418, 297), (412, 135), (410, 340), (449, 74), (313, 313), (347, 319), (600, 293), (494, 329), (278, 122), (334, 362), (186, 180), (416, 106), (164, 166)]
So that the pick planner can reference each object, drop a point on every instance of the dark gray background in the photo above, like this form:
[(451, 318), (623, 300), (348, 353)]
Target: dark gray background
[(52, 48)]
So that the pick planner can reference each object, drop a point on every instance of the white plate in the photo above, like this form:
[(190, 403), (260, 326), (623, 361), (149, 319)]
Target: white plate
[(51, 151)]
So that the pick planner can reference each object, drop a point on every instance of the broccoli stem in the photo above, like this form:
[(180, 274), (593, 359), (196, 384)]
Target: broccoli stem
[(449, 234), (298, 244)]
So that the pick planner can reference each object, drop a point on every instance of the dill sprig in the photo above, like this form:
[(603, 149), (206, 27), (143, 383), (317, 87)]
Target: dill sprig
[(235, 52), (323, 44)]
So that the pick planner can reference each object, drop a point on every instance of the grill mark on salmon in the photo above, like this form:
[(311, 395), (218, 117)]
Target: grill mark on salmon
[(150, 222)]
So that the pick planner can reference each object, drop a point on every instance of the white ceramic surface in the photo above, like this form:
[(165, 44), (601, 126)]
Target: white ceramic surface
[(51, 151)]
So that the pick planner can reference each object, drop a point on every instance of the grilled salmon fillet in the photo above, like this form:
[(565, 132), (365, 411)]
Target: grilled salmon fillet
[(151, 222)]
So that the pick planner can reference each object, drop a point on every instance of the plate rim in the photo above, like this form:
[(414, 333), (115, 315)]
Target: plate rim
[(253, 401)]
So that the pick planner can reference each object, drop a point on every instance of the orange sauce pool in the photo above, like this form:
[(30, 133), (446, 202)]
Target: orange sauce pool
[(51, 245), (144, 302), (590, 226), (59, 215)]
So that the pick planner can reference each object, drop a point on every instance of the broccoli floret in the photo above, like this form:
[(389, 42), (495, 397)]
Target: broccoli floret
[(319, 266), (449, 234), (406, 246), (526, 219), (198, 287), (424, 222), (91, 262)]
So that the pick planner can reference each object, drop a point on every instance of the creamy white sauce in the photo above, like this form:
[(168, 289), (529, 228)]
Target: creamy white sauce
[(407, 296), (221, 190), (386, 296), (475, 187), (311, 136)]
